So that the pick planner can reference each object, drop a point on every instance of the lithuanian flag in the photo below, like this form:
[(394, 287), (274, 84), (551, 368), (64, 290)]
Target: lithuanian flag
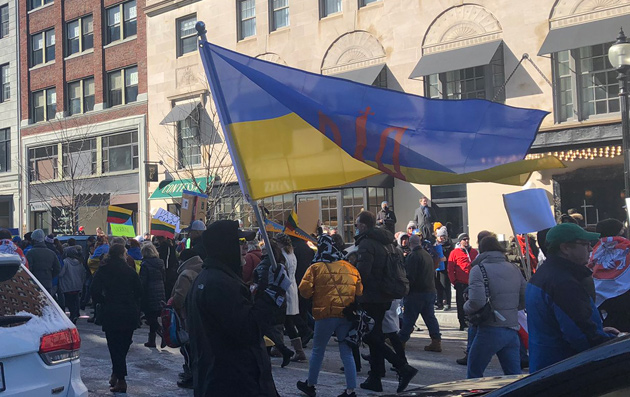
[(292, 221), (159, 228), (291, 130), (118, 214)]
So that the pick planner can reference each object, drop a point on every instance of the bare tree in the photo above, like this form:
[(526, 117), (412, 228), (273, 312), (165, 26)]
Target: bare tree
[(196, 150), (69, 185)]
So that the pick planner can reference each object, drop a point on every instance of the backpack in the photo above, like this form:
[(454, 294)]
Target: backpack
[(395, 282), (173, 334)]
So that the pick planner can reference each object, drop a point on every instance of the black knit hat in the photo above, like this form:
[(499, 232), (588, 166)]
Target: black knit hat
[(609, 227)]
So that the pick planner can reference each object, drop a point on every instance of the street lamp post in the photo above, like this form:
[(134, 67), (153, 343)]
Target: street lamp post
[(619, 57)]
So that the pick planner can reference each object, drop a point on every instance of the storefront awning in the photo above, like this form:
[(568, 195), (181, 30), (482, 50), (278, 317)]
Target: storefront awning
[(364, 75), (179, 112), (461, 58), (174, 189), (583, 35)]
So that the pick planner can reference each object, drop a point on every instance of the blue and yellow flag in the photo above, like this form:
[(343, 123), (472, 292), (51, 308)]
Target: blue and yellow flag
[(293, 130)]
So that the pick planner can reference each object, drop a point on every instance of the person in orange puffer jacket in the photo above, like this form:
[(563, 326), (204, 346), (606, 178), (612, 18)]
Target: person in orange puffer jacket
[(458, 269), (333, 284)]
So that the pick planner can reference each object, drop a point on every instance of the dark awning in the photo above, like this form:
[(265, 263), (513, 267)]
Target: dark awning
[(583, 35), (179, 112), (364, 75), (461, 58)]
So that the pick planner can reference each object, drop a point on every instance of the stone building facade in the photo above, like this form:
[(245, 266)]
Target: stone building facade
[(543, 54)]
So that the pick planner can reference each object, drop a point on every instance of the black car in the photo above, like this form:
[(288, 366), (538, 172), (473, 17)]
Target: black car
[(80, 240), (601, 371)]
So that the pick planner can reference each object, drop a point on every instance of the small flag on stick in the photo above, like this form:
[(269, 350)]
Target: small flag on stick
[(160, 228), (118, 214)]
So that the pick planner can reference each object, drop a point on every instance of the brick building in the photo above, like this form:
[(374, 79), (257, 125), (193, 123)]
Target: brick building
[(83, 111)]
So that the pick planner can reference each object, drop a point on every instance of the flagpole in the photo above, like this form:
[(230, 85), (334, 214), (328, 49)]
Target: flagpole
[(224, 120)]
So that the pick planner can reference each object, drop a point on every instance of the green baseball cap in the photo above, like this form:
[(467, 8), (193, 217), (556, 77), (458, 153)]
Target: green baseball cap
[(567, 233)]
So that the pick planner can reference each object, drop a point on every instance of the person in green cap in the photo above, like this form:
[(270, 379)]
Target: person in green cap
[(562, 318)]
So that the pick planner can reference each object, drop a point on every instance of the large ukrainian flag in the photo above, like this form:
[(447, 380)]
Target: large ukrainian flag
[(294, 131)]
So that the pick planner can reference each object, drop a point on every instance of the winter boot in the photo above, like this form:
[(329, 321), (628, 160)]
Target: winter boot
[(435, 346), (463, 360), (151, 342), (372, 383), (299, 357), (112, 380), (286, 355), (405, 375), (119, 387), (306, 389)]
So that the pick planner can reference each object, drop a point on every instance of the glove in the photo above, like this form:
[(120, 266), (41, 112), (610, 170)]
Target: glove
[(278, 283)]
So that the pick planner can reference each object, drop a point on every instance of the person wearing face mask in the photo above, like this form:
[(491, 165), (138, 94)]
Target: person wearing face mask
[(459, 262), (562, 318), (386, 218)]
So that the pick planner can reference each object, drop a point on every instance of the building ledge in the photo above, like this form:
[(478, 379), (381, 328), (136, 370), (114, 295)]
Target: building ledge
[(577, 135), (41, 8), (41, 65), (79, 54), (156, 7), (118, 42)]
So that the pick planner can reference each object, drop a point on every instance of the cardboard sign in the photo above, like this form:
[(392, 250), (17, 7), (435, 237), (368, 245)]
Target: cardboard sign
[(308, 212), (194, 207), (120, 229), (529, 211), (166, 217)]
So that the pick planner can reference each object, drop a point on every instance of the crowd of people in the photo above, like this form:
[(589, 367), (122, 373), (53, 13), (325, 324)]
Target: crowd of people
[(238, 298)]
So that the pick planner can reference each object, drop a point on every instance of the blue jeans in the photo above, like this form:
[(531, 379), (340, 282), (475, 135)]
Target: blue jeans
[(324, 329), (419, 303), (487, 342)]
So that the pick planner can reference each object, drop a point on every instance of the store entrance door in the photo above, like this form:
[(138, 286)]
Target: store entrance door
[(456, 214), (329, 208)]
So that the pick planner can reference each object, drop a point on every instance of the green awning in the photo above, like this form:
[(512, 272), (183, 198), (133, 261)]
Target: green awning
[(175, 188)]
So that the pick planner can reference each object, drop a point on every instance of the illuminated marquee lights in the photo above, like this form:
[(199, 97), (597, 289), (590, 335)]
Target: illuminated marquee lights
[(581, 154)]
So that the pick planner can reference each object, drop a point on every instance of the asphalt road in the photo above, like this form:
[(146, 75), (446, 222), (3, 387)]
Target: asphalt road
[(153, 372)]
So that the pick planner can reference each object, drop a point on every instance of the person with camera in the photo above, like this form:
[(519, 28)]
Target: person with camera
[(496, 293)]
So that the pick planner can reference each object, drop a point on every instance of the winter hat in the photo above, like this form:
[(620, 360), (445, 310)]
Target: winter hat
[(38, 235), (436, 226), (441, 232), (49, 239), (609, 227), (17, 240), (414, 241), (412, 224), (462, 237), (198, 225)]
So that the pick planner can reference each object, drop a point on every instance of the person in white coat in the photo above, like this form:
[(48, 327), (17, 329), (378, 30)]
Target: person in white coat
[(297, 330)]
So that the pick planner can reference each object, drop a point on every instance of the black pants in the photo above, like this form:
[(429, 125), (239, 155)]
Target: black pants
[(72, 303), (293, 322), (375, 340), (185, 351), (152, 320), (118, 342), (306, 311), (396, 344), (459, 298), (443, 287)]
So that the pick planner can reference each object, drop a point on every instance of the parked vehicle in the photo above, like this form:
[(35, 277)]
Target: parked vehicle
[(598, 372), (80, 240), (39, 345)]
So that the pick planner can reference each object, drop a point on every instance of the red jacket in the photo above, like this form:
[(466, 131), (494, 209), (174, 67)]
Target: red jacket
[(252, 259), (459, 265)]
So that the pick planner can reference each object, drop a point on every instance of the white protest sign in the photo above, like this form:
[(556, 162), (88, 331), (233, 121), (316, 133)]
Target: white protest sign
[(529, 211), (167, 217)]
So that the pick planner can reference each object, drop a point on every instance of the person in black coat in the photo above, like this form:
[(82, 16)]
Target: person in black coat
[(229, 357), (152, 278), (116, 287), (304, 255), (168, 253)]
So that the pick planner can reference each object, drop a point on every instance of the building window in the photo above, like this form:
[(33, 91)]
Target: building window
[(81, 96), (43, 163), (118, 29), (585, 83), (279, 14), (189, 140), (353, 203), (4, 21), (481, 82), (120, 152), (5, 150), (38, 3), (247, 18), (5, 86), (187, 35), (79, 35), (79, 158), (122, 86), (381, 80), (44, 105), (363, 3), (43, 47), (329, 7)]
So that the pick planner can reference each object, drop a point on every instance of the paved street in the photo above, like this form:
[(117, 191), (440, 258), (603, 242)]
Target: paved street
[(153, 372)]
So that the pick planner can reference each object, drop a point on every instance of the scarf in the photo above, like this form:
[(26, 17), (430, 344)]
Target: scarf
[(326, 250)]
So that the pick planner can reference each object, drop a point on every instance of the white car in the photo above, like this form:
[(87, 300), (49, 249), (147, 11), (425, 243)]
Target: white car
[(39, 345)]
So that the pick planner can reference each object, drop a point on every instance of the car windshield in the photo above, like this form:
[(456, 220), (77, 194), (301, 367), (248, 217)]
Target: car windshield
[(21, 298)]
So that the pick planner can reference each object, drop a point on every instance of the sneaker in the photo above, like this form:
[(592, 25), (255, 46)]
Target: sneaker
[(463, 360), (346, 394), (447, 308), (405, 375), (372, 383), (306, 389)]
